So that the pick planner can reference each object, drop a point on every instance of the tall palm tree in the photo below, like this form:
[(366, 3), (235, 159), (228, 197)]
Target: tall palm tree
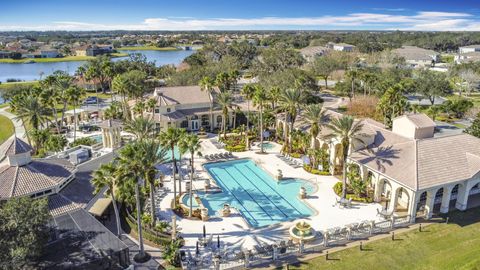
[(259, 99), (225, 100), (207, 84), (347, 131), (153, 155), (190, 143), (132, 168), (139, 107), (290, 101), (106, 176), (141, 127), (121, 86), (313, 115), (74, 95), (63, 81), (248, 90), (170, 139)]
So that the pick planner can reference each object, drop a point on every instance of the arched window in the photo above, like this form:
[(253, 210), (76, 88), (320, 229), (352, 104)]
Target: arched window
[(194, 117)]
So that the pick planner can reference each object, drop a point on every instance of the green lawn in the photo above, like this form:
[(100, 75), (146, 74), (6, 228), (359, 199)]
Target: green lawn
[(60, 59), (10, 85), (440, 246), (6, 128), (146, 48)]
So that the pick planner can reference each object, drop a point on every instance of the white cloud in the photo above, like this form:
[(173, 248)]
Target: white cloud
[(424, 20)]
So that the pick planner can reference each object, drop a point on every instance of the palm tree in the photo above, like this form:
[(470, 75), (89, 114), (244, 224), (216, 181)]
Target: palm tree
[(29, 111), (259, 99), (151, 104), (131, 168), (63, 81), (313, 115), (137, 162), (170, 139), (290, 101), (347, 131), (121, 86), (139, 107), (352, 73), (207, 85), (106, 177), (190, 143), (153, 155), (74, 94), (225, 101), (141, 127), (248, 90)]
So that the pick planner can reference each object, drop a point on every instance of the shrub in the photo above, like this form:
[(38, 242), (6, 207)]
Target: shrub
[(83, 141), (235, 148), (337, 188)]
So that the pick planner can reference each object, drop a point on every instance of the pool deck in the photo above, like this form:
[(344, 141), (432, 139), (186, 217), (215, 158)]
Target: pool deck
[(234, 231)]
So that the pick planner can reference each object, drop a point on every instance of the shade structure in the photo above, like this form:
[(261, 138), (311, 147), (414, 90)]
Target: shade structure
[(100, 206)]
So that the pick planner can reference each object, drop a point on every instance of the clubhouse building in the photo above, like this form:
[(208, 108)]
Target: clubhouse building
[(410, 168)]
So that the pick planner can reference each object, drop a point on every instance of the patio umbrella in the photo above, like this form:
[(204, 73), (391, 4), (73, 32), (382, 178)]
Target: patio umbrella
[(218, 241), (204, 232), (197, 251)]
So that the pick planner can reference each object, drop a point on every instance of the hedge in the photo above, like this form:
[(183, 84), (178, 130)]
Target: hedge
[(235, 148), (337, 188), (154, 237)]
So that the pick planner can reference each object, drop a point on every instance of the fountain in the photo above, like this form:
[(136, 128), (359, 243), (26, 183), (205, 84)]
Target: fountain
[(302, 231), (303, 193), (226, 210), (279, 175)]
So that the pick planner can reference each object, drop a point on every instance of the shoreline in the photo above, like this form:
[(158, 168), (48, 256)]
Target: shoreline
[(147, 48), (55, 60)]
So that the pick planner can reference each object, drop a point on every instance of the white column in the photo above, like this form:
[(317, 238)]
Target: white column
[(430, 203), (393, 198), (447, 193), (377, 196), (332, 158), (462, 197), (412, 206)]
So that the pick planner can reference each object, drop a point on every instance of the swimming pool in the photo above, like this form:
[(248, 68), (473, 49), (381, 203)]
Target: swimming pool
[(186, 201), (267, 145), (260, 199), (97, 138)]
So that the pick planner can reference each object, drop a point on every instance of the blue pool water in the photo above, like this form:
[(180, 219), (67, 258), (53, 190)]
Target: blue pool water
[(168, 154), (267, 145), (260, 199), (186, 201), (97, 138)]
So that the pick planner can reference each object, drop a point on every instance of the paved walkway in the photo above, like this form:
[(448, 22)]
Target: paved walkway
[(19, 130), (235, 232)]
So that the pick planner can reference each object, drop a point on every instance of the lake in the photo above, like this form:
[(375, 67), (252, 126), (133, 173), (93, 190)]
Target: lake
[(31, 72)]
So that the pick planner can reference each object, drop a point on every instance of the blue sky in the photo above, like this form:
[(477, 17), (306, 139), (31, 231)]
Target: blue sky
[(439, 15)]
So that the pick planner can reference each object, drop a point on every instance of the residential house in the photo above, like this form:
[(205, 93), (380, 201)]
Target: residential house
[(468, 49), (185, 107), (49, 53), (99, 50), (467, 57), (342, 47), (417, 57)]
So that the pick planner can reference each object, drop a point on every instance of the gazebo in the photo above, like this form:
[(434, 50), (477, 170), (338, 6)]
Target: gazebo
[(111, 133)]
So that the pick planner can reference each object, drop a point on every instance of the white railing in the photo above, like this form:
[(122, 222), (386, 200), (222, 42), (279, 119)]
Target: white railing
[(326, 240)]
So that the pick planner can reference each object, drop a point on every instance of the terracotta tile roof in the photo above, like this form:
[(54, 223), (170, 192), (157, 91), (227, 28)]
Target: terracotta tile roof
[(59, 204), (425, 163), (36, 176), (182, 95), (420, 120), (14, 146)]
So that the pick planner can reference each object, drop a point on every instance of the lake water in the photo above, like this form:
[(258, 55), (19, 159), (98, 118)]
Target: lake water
[(30, 72)]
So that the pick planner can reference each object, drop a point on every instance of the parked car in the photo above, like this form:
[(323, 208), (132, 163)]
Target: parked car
[(91, 100)]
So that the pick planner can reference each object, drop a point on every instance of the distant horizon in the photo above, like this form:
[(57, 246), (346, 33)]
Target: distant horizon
[(249, 15)]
